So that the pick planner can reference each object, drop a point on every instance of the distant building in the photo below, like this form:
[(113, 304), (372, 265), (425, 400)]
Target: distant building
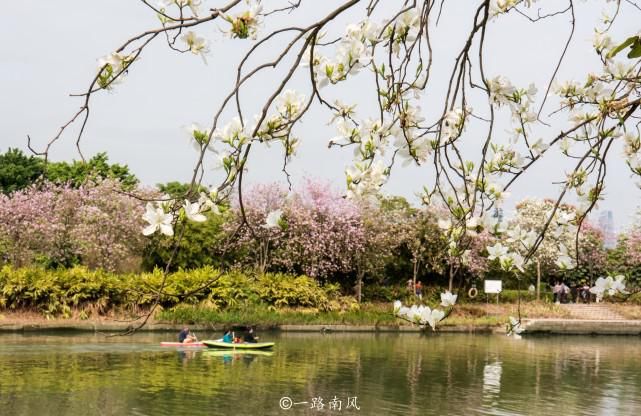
[(606, 224), (498, 214)]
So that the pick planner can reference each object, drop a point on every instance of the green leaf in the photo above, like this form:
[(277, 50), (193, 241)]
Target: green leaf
[(635, 52), (629, 41)]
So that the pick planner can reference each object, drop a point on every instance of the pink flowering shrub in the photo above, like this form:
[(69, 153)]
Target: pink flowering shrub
[(94, 225)]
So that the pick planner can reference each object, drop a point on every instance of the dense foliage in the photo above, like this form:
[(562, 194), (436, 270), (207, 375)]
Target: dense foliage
[(19, 171), (361, 246), (62, 292)]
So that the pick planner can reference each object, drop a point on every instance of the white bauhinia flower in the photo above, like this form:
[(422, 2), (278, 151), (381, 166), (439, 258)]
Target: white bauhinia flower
[(496, 192), (608, 285), (348, 133), (206, 202), (538, 147), (496, 251), (273, 218), (233, 133), (602, 41), (500, 89), (196, 44), (192, 211), (445, 224), (565, 217), (365, 179), (112, 69), (420, 315), (370, 30), (618, 285), (448, 299), (620, 70), (158, 219), (600, 286), (397, 307), (435, 317), (515, 234), (415, 313), (565, 262), (290, 104), (116, 61), (199, 136), (474, 223), (494, 225), (529, 239), (245, 25), (517, 261), (453, 124)]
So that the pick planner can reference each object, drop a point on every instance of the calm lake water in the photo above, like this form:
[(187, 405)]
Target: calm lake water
[(406, 374)]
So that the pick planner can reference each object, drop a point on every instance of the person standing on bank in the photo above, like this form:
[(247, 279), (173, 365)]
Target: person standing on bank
[(419, 290)]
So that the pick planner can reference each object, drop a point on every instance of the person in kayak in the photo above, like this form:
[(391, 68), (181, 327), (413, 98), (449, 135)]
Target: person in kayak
[(249, 336), (228, 337), (185, 336)]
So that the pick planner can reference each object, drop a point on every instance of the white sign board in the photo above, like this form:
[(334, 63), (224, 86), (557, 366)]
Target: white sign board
[(493, 286)]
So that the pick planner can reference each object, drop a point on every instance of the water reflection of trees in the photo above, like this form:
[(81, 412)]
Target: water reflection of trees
[(393, 374)]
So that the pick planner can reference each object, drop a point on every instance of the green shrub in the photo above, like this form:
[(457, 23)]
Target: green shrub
[(57, 292), (633, 299)]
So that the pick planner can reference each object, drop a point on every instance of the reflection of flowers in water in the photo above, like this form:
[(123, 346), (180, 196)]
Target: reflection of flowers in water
[(492, 383)]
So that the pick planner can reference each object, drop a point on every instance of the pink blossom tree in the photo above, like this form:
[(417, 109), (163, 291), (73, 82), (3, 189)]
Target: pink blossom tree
[(319, 234), (96, 225)]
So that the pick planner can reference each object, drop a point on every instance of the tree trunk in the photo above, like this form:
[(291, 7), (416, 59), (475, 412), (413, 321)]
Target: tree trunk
[(538, 280), (415, 274), (359, 286)]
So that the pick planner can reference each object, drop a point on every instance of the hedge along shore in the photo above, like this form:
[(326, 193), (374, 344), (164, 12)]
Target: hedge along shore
[(532, 326)]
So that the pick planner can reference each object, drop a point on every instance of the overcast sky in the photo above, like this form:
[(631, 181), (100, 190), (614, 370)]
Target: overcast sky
[(50, 49)]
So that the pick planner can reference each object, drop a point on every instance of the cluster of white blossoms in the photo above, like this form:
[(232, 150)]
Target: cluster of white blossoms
[(513, 241), (246, 24), (519, 100), (398, 126), (423, 315), (608, 285), (160, 216), (504, 158), (453, 124), (112, 68), (632, 151), (226, 142), (364, 179), (404, 29), (353, 52)]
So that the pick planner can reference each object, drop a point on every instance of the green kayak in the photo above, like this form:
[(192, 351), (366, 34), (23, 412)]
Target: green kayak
[(238, 346), (234, 353)]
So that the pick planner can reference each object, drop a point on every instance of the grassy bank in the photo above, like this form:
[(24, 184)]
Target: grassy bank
[(368, 314)]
